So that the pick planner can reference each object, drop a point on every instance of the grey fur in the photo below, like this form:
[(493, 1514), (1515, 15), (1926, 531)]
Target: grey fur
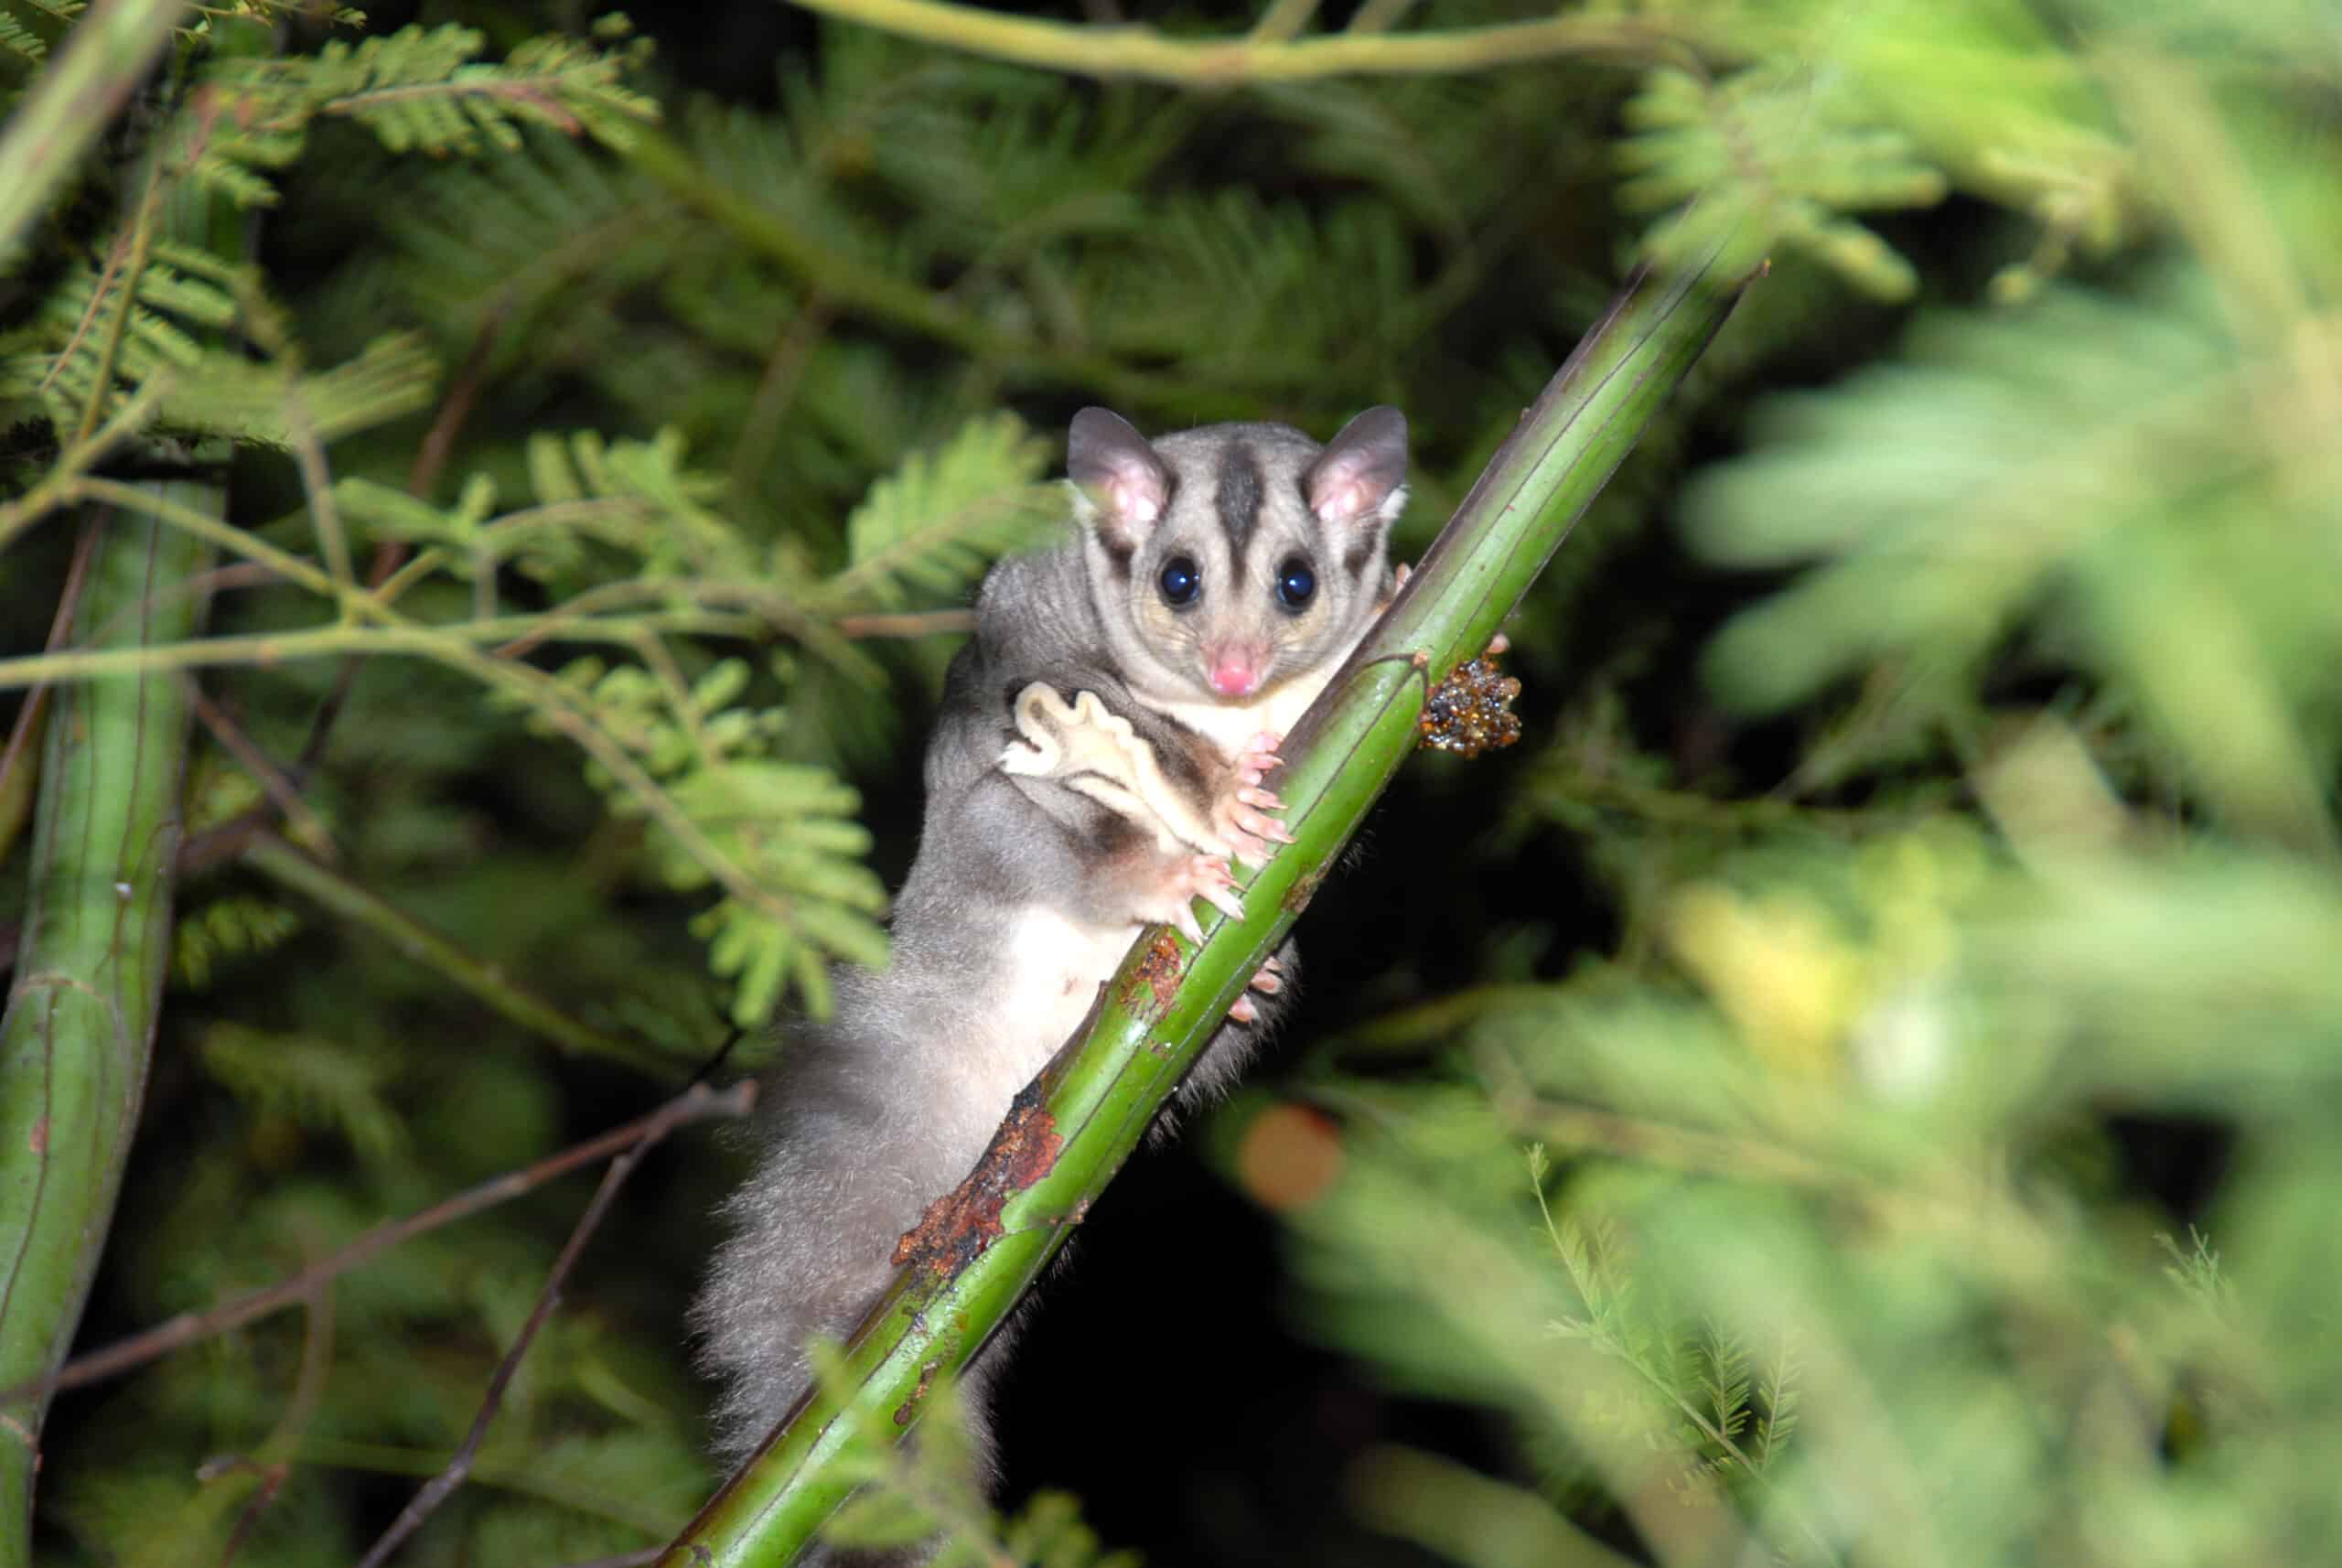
[(876, 1114)]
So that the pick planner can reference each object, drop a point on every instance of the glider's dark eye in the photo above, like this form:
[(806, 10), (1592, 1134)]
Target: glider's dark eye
[(1296, 584), (1180, 582)]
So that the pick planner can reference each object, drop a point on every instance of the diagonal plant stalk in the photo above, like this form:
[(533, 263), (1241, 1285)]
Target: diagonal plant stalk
[(1071, 1128), (80, 1016), (101, 63)]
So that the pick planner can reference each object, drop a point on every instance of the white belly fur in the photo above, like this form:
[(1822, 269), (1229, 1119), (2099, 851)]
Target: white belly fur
[(1051, 971)]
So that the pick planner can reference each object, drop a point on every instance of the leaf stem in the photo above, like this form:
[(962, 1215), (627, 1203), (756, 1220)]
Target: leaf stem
[(1225, 61), (83, 87)]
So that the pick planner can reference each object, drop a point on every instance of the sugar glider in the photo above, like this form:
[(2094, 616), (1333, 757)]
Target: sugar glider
[(1100, 755)]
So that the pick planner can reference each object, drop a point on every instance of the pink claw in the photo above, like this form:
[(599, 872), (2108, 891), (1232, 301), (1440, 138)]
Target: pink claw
[(1204, 877)]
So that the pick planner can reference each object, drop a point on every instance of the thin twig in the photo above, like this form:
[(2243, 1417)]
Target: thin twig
[(276, 1457), (60, 626), (142, 242), (283, 792), (792, 350), (89, 318), (317, 487), (1144, 54), (1283, 19), (57, 488), (699, 1103), (1379, 16), (224, 841), (440, 1486), (456, 408)]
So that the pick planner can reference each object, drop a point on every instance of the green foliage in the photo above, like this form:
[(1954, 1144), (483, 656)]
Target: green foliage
[(913, 1491), (418, 90), (2055, 483), (107, 333), (937, 523), (791, 827), (226, 929), (596, 500), (1769, 162), (27, 35), (321, 1085), (1995, 828), (1814, 1203)]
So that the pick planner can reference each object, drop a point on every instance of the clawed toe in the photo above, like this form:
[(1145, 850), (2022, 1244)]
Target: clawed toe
[(1204, 877), (1258, 755), (1224, 899), (1242, 817), (1262, 827)]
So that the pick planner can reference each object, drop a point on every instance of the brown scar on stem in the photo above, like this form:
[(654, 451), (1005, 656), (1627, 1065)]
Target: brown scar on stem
[(910, 1407), (1305, 888), (1154, 984), (959, 1225)]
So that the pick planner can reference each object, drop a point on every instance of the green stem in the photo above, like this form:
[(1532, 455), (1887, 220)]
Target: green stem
[(75, 98), (1142, 53), (288, 868), (448, 642), (1071, 1128), (80, 1016)]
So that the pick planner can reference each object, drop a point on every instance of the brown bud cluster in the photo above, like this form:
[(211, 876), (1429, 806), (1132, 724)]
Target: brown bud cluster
[(1471, 711)]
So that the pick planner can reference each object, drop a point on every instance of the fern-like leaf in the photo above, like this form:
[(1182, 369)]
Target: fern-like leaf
[(790, 827), (418, 90), (1781, 1396), (179, 303), (1721, 1361), (1930, 563), (936, 523), (226, 928), (633, 498), (1770, 159), (328, 1086), (31, 42)]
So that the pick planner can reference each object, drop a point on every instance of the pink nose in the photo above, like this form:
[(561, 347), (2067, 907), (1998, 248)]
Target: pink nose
[(1232, 675)]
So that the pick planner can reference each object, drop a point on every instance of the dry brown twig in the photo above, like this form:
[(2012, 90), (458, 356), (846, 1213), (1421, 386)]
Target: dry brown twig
[(697, 1104), (442, 1485)]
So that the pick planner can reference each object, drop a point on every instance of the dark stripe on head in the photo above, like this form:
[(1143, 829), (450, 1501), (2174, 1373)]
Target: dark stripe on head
[(1239, 495), (1362, 549)]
